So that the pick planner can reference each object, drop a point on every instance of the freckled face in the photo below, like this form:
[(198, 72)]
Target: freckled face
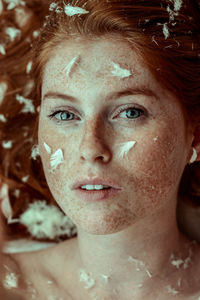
[(90, 132)]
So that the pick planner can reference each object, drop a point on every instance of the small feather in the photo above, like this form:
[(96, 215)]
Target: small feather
[(52, 6), (29, 67), (2, 49), (70, 65), (35, 152), (29, 107), (125, 148), (1, 7), (177, 4), (7, 144), (87, 279), (2, 118), (171, 290), (5, 204), (25, 178), (194, 156), (10, 281), (48, 149), (56, 159), (119, 72), (165, 31), (12, 33), (74, 10), (13, 3), (3, 88)]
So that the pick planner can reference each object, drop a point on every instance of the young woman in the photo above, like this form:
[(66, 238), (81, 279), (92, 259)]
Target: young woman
[(117, 98)]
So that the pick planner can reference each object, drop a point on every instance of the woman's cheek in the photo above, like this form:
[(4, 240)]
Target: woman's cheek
[(158, 167)]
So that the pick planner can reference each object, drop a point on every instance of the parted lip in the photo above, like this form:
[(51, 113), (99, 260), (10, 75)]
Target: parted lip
[(95, 181)]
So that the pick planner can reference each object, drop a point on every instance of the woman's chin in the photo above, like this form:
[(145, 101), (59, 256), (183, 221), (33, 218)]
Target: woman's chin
[(100, 226)]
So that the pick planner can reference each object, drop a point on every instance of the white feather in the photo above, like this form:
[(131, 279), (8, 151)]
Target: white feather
[(46, 221), (10, 281), (13, 3), (139, 264), (124, 148), (87, 279), (7, 144), (2, 49), (1, 6), (5, 204), (52, 6), (56, 159), (2, 118), (177, 4), (12, 32), (70, 65), (35, 152), (194, 156), (74, 10), (119, 72), (3, 88), (165, 31), (48, 149), (29, 67), (25, 178), (171, 290), (28, 104), (36, 33)]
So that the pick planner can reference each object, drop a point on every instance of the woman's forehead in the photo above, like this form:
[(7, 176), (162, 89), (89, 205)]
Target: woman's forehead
[(96, 55), (102, 60)]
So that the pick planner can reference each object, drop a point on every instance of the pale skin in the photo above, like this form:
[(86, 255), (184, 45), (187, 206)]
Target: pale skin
[(140, 222)]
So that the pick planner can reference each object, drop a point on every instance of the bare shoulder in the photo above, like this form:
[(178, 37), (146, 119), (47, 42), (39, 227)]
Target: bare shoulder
[(39, 271)]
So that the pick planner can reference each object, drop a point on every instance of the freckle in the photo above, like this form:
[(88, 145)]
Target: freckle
[(124, 148)]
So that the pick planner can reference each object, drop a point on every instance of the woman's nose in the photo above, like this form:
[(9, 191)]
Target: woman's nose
[(94, 144)]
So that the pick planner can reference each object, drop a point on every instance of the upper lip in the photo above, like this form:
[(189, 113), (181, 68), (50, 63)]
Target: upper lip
[(95, 181)]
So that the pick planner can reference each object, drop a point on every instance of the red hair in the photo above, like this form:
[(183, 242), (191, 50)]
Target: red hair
[(167, 39)]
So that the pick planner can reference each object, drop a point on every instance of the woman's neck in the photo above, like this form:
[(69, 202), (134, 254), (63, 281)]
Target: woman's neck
[(153, 250)]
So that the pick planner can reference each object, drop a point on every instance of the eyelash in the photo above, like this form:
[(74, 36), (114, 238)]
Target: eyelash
[(52, 115)]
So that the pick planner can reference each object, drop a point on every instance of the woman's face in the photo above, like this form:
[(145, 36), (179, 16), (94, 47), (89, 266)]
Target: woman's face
[(89, 134)]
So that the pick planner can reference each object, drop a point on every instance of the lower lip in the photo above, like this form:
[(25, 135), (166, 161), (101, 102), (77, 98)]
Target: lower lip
[(96, 195)]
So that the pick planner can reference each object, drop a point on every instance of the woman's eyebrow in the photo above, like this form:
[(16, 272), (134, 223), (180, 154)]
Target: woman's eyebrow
[(112, 96)]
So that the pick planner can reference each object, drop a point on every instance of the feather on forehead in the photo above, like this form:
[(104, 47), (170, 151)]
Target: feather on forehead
[(70, 67), (119, 72)]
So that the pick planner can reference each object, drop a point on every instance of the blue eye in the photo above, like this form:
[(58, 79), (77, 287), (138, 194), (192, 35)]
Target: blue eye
[(136, 112), (64, 114)]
